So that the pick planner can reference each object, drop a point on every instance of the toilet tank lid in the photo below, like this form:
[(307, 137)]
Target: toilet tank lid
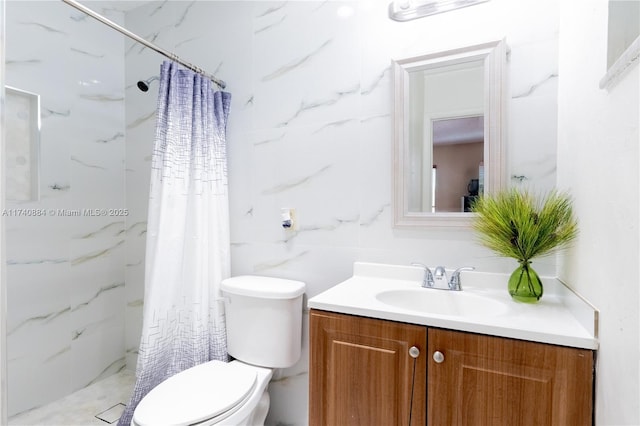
[(263, 287)]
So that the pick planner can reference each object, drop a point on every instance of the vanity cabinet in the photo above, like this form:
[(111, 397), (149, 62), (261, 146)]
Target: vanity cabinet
[(366, 371), (475, 379), (362, 372)]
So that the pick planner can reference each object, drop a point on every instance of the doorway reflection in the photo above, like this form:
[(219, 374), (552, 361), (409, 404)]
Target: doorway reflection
[(458, 157)]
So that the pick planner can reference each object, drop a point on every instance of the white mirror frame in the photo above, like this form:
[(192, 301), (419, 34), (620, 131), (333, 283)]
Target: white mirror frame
[(494, 54)]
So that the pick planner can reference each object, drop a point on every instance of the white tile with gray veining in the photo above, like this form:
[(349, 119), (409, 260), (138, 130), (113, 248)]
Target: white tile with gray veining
[(65, 313), (291, 172), (534, 89), (294, 69)]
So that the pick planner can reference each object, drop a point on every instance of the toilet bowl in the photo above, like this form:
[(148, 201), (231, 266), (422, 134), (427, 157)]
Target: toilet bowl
[(264, 331), (213, 393)]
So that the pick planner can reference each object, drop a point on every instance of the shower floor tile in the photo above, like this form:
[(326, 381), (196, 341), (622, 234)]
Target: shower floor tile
[(99, 404)]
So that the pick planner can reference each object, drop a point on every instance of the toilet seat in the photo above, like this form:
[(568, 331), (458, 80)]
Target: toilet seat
[(207, 392)]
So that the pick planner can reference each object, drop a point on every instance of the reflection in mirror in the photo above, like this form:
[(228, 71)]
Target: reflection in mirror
[(448, 129), (445, 135), (458, 162)]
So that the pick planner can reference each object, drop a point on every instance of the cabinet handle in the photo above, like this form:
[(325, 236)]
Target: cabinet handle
[(438, 357), (414, 352)]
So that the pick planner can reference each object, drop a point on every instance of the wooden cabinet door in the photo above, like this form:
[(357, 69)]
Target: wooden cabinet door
[(485, 380), (361, 371)]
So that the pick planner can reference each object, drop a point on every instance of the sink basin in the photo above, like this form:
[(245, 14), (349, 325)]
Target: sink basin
[(442, 302)]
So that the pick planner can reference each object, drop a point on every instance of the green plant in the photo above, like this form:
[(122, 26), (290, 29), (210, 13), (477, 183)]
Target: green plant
[(517, 224)]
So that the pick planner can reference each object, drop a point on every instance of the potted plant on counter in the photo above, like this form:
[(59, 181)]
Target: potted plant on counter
[(514, 223)]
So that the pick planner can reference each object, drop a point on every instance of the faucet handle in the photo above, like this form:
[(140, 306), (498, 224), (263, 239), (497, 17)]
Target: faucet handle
[(427, 280), (455, 283)]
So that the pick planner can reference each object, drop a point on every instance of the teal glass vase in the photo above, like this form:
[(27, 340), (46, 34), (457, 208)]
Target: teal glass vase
[(525, 285)]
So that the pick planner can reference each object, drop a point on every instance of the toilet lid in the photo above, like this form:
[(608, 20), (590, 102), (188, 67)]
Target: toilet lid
[(194, 395)]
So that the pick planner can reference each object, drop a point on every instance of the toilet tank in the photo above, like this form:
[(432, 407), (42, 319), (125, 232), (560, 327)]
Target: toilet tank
[(263, 319)]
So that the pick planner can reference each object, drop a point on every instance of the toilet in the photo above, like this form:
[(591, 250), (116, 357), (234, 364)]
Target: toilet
[(264, 331)]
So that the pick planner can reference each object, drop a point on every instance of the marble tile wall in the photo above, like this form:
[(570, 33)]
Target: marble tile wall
[(310, 129), (66, 263)]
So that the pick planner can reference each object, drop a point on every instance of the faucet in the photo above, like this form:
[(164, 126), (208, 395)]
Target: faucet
[(455, 283), (427, 280), (439, 275)]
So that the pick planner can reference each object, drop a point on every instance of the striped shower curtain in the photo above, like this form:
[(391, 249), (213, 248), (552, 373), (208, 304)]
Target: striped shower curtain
[(187, 253)]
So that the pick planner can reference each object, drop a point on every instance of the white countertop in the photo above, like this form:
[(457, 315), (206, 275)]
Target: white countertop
[(560, 317)]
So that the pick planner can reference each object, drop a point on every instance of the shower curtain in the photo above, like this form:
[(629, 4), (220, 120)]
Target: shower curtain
[(187, 253)]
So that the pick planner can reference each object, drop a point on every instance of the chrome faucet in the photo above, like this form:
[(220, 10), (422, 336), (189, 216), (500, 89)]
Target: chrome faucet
[(427, 280), (439, 276)]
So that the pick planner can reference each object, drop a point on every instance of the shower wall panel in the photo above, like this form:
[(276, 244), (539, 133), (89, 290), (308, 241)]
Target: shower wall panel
[(65, 251)]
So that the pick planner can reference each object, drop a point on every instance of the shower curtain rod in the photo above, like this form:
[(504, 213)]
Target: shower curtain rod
[(140, 40)]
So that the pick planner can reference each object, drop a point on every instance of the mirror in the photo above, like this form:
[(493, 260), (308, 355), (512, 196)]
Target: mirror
[(448, 133)]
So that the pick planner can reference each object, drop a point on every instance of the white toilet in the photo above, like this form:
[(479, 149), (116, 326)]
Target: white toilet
[(264, 331)]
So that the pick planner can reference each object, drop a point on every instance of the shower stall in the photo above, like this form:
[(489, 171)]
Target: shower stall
[(76, 205)]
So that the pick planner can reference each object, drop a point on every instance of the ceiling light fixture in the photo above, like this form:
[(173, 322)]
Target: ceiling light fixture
[(407, 10)]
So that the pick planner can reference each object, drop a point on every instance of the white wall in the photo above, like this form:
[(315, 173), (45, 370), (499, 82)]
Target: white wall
[(598, 161), (310, 128)]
